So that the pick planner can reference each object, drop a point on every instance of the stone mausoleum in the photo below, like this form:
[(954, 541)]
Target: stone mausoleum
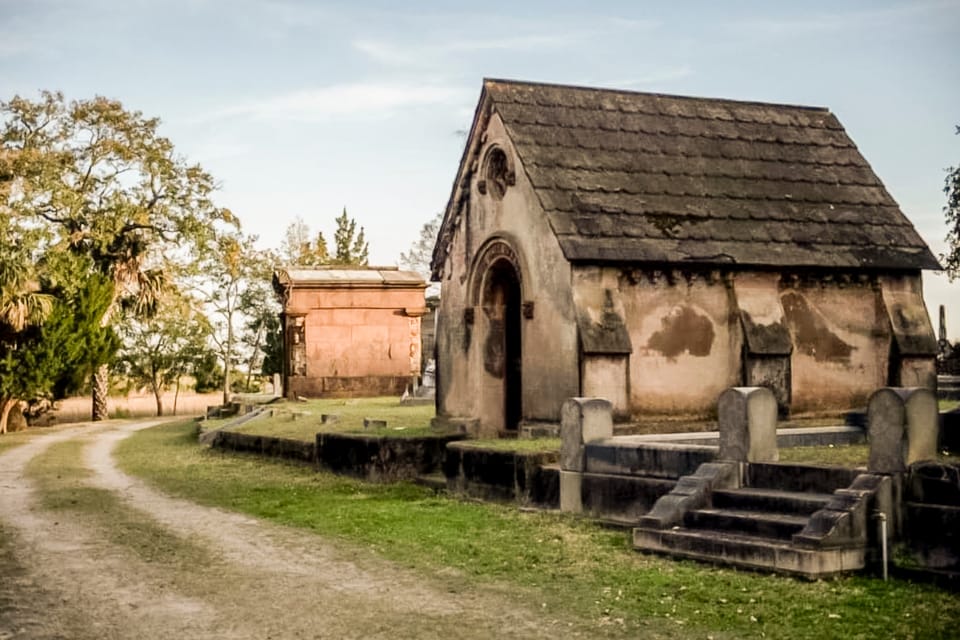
[(656, 250), (350, 331)]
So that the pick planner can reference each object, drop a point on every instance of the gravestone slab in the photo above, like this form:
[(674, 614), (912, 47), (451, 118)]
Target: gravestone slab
[(902, 428), (748, 425), (582, 420)]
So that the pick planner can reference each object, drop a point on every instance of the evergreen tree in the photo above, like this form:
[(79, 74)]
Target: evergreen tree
[(350, 246)]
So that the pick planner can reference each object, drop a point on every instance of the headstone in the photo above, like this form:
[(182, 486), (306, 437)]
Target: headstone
[(748, 425), (329, 418), (902, 428), (581, 421)]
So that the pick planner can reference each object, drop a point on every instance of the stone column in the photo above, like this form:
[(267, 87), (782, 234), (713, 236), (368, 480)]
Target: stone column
[(902, 428), (748, 425), (581, 420)]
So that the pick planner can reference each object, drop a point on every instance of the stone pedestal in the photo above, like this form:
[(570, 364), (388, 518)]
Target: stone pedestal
[(581, 421), (902, 427), (748, 425)]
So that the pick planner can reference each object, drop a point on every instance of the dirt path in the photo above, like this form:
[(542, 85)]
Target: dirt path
[(238, 577)]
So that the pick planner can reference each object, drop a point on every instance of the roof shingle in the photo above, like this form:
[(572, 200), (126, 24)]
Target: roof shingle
[(626, 176)]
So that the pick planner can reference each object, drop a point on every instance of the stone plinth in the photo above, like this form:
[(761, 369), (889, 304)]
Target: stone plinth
[(582, 420), (748, 425)]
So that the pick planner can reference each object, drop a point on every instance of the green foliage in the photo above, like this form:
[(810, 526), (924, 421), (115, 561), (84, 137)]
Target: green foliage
[(55, 358), (350, 247), (951, 259), (207, 372), (160, 349), (272, 346), (299, 249), (99, 182)]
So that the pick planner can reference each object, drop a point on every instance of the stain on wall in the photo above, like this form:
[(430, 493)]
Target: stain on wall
[(683, 330), (494, 358), (811, 334)]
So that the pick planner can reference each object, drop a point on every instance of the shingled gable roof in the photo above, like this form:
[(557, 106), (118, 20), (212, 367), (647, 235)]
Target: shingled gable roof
[(639, 177)]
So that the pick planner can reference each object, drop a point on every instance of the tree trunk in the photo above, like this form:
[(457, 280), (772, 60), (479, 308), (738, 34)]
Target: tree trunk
[(5, 406), (100, 383), (176, 396), (228, 361), (159, 397)]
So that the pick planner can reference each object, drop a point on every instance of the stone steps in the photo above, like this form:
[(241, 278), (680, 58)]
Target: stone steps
[(749, 552), (778, 526), (756, 526), (775, 500)]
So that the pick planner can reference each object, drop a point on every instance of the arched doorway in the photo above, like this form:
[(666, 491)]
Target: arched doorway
[(502, 356)]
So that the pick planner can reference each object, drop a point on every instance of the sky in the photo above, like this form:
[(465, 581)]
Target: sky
[(302, 108)]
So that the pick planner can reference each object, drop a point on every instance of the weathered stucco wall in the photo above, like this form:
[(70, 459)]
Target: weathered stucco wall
[(841, 341), (824, 342), (357, 341), (466, 386), (685, 342)]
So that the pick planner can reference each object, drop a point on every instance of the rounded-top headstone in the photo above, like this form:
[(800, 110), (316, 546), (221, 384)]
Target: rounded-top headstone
[(902, 427), (748, 424)]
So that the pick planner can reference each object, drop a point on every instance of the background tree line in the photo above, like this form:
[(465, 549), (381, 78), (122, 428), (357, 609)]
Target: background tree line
[(115, 259)]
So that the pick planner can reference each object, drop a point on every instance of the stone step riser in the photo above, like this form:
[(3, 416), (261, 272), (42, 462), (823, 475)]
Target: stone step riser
[(792, 503), (713, 547), (764, 525), (799, 478)]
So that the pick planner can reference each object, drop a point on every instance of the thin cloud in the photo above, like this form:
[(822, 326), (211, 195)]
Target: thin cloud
[(358, 99), (657, 76), (425, 54), (398, 55)]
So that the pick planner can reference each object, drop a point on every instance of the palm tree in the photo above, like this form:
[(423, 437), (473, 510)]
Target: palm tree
[(22, 306)]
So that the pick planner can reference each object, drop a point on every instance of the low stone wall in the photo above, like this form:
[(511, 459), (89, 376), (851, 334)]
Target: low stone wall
[(269, 446), (381, 458), (931, 516), (528, 478)]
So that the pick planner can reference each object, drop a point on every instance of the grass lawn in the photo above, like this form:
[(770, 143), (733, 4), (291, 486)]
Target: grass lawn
[(401, 420), (549, 560), (845, 455), (512, 444)]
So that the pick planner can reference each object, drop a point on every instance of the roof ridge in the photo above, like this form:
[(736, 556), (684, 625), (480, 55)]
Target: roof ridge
[(756, 103)]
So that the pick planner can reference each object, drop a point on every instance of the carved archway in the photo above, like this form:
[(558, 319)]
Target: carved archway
[(497, 291)]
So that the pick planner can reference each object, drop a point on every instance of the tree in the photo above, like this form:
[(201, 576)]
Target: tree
[(272, 346), (53, 358), (259, 305), (230, 266), (298, 249), (350, 247), (109, 187), (951, 259), (158, 350), (420, 255)]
